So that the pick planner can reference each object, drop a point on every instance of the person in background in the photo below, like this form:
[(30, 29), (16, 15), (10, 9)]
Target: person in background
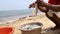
[(52, 5)]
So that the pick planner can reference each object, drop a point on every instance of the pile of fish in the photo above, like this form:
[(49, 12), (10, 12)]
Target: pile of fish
[(30, 27)]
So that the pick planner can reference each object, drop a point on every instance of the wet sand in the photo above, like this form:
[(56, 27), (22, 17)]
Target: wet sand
[(47, 24)]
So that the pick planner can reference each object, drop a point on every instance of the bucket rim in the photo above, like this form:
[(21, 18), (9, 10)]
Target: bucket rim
[(41, 25)]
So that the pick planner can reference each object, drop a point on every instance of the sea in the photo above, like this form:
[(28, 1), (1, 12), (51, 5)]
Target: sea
[(11, 15)]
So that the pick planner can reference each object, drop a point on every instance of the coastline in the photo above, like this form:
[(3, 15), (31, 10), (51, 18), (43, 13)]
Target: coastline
[(14, 18), (26, 17)]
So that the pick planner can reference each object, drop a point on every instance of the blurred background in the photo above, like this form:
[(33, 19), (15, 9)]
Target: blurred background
[(13, 9)]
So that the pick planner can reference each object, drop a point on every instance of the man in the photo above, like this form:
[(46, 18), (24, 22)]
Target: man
[(53, 5)]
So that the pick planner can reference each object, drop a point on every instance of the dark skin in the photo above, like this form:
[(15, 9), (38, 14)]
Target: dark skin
[(50, 6), (45, 7)]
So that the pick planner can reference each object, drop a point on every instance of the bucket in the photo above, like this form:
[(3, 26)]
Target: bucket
[(32, 31), (6, 30)]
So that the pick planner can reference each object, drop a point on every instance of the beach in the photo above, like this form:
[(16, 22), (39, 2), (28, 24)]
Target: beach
[(47, 23)]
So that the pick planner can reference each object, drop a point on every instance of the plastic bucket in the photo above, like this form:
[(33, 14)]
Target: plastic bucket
[(6, 30), (33, 31)]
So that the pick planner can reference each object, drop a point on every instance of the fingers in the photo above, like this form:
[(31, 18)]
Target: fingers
[(39, 3), (32, 5)]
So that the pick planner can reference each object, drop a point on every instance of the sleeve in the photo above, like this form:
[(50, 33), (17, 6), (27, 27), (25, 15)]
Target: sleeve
[(52, 2)]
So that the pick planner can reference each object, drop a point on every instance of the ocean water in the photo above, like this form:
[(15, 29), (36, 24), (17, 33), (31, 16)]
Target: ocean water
[(7, 15)]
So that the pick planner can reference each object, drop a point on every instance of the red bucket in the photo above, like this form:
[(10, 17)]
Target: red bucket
[(6, 30)]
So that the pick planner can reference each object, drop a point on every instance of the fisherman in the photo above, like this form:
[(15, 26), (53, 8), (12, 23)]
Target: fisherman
[(52, 6)]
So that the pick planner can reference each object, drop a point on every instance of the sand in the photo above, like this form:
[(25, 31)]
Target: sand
[(47, 24)]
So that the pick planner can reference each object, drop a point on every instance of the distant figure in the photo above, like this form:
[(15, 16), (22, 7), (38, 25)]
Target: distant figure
[(52, 7)]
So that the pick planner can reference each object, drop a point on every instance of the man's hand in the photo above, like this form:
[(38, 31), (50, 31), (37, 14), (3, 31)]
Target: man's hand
[(40, 6), (39, 3), (32, 5)]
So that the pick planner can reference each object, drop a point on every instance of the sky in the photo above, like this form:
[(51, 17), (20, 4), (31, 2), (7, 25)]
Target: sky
[(15, 4)]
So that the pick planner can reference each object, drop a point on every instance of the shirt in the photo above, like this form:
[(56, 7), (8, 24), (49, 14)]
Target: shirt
[(55, 2)]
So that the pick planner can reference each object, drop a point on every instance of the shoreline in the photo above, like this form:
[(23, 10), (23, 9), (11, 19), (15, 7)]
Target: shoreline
[(15, 18)]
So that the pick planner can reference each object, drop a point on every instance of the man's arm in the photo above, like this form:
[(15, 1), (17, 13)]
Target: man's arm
[(50, 6), (53, 7)]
